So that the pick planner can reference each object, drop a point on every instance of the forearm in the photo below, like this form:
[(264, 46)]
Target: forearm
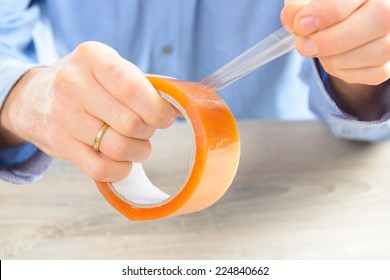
[(341, 123), (20, 161), (8, 131), (11, 73), (365, 102)]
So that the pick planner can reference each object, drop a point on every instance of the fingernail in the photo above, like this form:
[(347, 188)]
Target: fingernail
[(308, 25), (307, 47)]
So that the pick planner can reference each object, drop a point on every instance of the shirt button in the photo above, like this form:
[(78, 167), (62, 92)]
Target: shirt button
[(167, 49)]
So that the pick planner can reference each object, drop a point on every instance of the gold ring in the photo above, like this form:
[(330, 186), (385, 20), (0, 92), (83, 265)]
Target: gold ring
[(99, 136)]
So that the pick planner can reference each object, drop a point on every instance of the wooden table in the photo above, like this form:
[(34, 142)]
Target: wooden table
[(299, 194)]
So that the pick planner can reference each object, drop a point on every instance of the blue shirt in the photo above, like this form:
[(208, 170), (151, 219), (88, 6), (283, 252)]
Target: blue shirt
[(186, 39)]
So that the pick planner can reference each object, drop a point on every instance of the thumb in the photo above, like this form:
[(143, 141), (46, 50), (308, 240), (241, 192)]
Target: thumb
[(289, 12), (320, 14)]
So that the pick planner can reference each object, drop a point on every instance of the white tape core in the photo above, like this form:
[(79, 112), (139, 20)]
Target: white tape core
[(137, 187)]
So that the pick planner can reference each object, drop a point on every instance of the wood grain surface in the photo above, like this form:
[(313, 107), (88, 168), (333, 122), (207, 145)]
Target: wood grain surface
[(299, 193)]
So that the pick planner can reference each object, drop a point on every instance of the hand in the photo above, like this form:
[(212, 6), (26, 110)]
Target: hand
[(351, 39), (61, 108)]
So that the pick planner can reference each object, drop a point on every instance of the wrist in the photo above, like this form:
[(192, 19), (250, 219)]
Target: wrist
[(10, 112), (365, 102)]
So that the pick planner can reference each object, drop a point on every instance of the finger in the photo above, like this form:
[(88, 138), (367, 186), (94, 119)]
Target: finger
[(105, 107), (93, 164), (126, 83), (368, 76), (361, 57), (370, 22), (113, 145), (96, 165), (119, 148), (78, 92), (289, 12), (320, 15)]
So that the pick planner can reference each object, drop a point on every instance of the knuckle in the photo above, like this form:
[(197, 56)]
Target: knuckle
[(163, 117), (64, 78), (131, 124), (339, 10), (115, 70), (132, 86), (97, 170), (86, 48), (121, 173), (90, 50), (145, 151), (64, 88), (134, 150), (128, 84), (157, 120), (117, 150)]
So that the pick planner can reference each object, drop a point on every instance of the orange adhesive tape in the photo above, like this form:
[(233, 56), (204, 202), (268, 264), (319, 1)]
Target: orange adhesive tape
[(215, 160)]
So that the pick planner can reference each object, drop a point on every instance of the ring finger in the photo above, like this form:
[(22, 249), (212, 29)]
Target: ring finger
[(113, 145)]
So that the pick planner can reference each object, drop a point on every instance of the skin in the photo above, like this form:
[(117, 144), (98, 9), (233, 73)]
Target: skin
[(351, 39), (61, 108)]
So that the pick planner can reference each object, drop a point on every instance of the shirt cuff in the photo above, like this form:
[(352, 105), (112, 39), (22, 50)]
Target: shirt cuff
[(27, 171), (342, 124), (16, 154)]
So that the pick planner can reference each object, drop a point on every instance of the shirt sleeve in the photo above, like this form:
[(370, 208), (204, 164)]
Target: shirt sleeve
[(23, 163), (339, 122)]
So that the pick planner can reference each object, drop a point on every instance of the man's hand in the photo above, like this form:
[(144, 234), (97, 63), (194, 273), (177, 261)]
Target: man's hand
[(61, 108), (351, 39)]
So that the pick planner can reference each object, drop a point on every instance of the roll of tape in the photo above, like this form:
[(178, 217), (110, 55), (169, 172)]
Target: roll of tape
[(213, 167)]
